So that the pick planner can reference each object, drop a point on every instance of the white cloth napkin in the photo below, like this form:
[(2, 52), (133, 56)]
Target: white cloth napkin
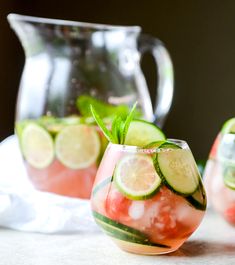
[(26, 209)]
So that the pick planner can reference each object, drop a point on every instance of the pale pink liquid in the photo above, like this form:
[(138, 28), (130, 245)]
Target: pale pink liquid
[(60, 179), (220, 196)]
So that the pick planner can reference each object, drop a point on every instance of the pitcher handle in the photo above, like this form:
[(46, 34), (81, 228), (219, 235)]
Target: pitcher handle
[(165, 74)]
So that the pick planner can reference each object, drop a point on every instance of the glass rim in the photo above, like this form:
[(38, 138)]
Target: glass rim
[(129, 148), (64, 22)]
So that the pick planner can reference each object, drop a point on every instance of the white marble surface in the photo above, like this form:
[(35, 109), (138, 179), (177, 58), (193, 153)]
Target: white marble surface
[(213, 243)]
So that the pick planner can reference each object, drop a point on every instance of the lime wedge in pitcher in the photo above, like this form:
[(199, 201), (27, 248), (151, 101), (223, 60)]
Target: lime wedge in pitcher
[(37, 145), (77, 146)]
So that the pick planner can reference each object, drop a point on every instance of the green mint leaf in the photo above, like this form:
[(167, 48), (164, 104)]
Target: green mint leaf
[(83, 103), (121, 133), (116, 125), (121, 110), (102, 126), (127, 123)]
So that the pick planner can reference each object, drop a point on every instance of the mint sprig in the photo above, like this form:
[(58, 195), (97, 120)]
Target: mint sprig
[(119, 127), (102, 126)]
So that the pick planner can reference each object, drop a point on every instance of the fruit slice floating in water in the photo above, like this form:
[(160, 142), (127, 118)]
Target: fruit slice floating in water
[(136, 177), (198, 199), (229, 126), (37, 146), (177, 168), (229, 177), (154, 145), (77, 146), (124, 232)]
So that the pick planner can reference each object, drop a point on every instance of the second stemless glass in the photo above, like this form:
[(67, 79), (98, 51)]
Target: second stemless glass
[(160, 221), (220, 176)]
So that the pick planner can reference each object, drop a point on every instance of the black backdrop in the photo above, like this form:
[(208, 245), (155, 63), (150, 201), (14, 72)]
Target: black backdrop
[(200, 36)]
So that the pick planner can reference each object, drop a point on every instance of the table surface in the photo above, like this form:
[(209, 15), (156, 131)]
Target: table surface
[(213, 243)]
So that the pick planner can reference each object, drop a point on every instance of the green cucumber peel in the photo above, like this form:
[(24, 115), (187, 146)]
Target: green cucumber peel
[(195, 203), (198, 203), (170, 145), (123, 232), (101, 185), (167, 174), (228, 126), (117, 224), (154, 145)]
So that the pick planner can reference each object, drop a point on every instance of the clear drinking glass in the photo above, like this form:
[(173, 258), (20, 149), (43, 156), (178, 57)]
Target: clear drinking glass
[(69, 64), (149, 201), (220, 176)]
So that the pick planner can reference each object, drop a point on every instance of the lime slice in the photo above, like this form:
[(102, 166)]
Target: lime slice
[(229, 126), (37, 146), (20, 126), (136, 177), (141, 133), (77, 146)]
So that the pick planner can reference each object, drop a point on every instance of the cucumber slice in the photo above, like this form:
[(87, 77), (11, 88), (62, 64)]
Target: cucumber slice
[(154, 145), (141, 133), (229, 126), (136, 177), (37, 146), (177, 169), (77, 146), (119, 226), (101, 185), (229, 177), (123, 232), (198, 198)]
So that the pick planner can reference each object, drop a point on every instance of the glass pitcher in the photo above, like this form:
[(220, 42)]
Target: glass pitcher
[(70, 65)]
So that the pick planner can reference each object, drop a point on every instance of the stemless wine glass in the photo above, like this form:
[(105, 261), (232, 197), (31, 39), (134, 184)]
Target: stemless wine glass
[(220, 176), (149, 201)]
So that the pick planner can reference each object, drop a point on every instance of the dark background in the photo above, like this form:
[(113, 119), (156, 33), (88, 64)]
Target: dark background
[(200, 36)]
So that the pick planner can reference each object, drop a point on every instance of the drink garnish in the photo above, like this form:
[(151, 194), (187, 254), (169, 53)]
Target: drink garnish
[(119, 126), (129, 131)]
